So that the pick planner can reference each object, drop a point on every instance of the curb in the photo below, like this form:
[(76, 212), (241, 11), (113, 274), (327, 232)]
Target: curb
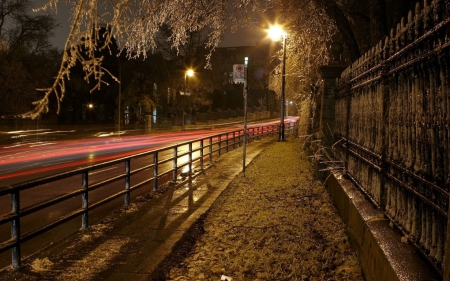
[(379, 247)]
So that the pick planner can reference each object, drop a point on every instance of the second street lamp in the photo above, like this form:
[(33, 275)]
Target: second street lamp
[(276, 33), (187, 73)]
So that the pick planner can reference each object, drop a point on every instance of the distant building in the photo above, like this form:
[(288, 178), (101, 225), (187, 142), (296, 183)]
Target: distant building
[(260, 66)]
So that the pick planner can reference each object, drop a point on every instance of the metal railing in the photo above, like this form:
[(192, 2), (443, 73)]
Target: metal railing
[(162, 163), (392, 119)]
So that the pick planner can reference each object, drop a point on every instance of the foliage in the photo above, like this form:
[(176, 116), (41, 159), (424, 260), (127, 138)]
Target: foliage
[(141, 26), (26, 56), (309, 29), (135, 25), (138, 95)]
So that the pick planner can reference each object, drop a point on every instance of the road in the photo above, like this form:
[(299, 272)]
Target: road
[(24, 161), (33, 159)]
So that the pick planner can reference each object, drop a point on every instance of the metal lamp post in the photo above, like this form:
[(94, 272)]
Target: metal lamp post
[(187, 73), (275, 33)]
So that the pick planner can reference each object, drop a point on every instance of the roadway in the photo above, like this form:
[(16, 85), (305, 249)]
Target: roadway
[(28, 160), (24, 161)]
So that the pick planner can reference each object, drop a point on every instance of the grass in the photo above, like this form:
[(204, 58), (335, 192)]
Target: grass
[(276, 223)]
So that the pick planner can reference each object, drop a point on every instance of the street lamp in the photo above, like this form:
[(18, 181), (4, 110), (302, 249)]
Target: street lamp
[(89, 107), (276, 32), (187, 73)]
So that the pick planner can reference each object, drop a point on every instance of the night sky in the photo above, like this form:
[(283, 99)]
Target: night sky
[(243, 37)]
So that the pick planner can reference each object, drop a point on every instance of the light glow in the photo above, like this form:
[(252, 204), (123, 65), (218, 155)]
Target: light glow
[(276, 33)]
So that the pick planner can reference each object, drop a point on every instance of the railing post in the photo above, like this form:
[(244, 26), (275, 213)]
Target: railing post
[(210, 149), (85, 201), (155, 170), (327, 117), (190, 159), (175, 164), (15, 228), (201, 153), (234, 140), (385, 89), (226, 149), (127, 182), (239, 139)]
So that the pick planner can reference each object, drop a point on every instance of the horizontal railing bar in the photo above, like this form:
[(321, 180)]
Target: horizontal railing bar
[(394, 165), (142, 183), (6, 245), (94, 205), (165, 161), (42, 205), (196, 159), (37, 231), (166, 172), (418, 178), (417, 194), (378, 156), (97, 185), (7, 217), (375, 203), (137, 170), (367, 161)]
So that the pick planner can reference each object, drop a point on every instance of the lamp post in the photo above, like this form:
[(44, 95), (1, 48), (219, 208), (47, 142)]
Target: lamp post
[(275, 33), (90, 107), (120, 93), (187, 73)]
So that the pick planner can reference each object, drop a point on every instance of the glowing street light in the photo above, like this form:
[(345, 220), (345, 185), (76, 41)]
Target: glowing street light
[(277, 33), (187, 73)]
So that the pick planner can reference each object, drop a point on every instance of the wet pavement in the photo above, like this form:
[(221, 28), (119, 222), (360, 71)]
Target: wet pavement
[(132, 242)]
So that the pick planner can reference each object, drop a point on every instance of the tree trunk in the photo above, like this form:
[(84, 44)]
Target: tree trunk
[(334, 12)]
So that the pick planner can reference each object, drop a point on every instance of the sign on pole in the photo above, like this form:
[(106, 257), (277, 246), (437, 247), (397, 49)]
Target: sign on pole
[(238, 73)]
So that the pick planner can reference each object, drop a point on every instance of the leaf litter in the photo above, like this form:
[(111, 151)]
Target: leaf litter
[(276, 223)]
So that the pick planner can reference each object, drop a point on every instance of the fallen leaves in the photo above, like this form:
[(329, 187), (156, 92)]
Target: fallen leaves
[(277, 223)]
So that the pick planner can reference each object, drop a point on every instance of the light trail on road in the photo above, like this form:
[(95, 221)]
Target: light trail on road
[(29, 161), (19, 163)]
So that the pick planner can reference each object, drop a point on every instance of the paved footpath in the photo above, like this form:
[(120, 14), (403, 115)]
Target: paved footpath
[(131, 243)]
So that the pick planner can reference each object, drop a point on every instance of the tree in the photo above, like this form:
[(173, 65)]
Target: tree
[(310, 30), (26, 56), (138, 95), (137, 26)]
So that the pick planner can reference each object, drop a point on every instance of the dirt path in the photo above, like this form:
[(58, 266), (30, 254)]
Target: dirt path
[(277, 223)]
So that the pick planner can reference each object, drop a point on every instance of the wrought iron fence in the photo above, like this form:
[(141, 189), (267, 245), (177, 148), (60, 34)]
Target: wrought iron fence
[(392, 120), (160, 165)]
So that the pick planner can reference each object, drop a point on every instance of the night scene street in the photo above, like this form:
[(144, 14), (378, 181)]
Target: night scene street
[(225, 140)]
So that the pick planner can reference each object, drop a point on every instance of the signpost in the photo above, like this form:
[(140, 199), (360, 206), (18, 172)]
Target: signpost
[(239, 73), (244, 71)]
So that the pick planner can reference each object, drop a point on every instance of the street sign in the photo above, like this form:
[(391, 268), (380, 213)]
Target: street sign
[(238, 73)]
